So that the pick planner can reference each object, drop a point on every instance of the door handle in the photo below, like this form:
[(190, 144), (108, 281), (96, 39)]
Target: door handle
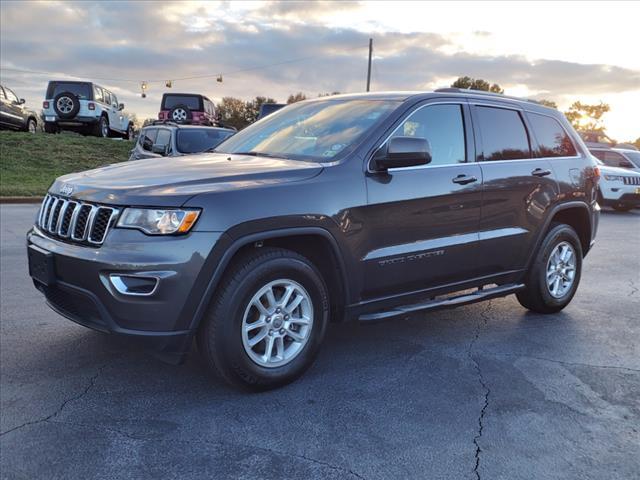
[(539, 172), (464, 179)]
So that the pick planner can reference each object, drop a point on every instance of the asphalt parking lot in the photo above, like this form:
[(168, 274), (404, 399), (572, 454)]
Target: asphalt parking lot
[(484, 391)]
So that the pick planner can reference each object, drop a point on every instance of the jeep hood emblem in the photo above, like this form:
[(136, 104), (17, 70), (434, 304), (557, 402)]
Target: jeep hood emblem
[(66, 189)]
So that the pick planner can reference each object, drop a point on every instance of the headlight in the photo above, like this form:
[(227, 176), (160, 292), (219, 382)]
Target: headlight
[(155, 221), (613, 178)]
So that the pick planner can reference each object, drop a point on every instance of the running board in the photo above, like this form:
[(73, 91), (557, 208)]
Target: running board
[(464, 299)]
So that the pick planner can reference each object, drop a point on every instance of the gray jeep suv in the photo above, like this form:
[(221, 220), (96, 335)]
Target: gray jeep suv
[(348, 207)]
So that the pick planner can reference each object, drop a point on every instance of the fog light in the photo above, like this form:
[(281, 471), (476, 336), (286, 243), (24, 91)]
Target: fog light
[(134, 285)]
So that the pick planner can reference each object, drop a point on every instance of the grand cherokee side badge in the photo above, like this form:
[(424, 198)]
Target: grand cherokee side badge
[(66, 189)]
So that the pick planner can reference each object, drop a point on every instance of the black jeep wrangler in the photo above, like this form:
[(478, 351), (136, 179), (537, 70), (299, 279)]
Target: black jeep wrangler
[(349, 207)]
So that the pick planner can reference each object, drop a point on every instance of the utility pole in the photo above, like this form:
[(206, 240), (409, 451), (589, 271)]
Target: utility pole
[(369, 69)]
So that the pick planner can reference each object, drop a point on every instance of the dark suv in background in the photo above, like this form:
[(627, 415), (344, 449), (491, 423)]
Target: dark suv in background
[(349, 207), (189, 108), (168, 139), (13, 113)]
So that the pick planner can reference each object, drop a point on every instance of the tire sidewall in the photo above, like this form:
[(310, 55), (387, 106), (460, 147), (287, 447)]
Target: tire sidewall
[(76, 105), (187, 111), (559, 234), (228, 338), (30, 122), (101, 131)]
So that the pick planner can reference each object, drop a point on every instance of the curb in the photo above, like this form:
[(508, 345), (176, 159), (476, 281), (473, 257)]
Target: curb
[(20, 200)]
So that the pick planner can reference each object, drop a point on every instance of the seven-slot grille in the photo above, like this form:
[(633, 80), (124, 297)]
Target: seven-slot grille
[(75, 221), (631, 180)]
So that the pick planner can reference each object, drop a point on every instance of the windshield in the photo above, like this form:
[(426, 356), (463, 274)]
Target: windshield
[(196, 140), (634, 157), (320, 131)]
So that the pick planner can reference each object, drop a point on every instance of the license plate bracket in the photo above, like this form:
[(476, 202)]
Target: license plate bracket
[(41, 265)]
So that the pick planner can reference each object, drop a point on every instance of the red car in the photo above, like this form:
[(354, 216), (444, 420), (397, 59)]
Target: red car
[(191, 108)]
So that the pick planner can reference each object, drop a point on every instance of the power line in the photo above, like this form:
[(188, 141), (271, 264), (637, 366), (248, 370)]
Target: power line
[(194, 77)]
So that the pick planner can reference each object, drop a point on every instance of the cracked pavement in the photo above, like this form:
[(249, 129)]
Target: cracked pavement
[(484, 391)]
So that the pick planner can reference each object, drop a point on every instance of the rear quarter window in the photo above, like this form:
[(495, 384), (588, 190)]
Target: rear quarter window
[(552, 138)]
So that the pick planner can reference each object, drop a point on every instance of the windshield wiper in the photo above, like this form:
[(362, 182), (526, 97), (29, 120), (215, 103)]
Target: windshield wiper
[(253, 153)]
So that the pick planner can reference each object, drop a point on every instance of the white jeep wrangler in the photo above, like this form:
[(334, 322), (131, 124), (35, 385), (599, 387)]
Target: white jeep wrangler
[(84, 107)]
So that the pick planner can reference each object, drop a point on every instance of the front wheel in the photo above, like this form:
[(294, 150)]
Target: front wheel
[(553, 278), (622, 207), (265, 325), (129, 134)]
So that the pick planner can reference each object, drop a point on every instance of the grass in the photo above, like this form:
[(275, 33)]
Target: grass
[(30, 163)]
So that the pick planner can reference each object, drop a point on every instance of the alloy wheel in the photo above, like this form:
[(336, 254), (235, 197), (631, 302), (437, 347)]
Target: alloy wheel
[(277, 323), (561, 270)]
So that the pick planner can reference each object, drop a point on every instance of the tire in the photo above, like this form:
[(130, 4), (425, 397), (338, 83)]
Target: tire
[(180, 114), (66, 105), (32, 126), (50, 127), (621, 207), (538, 295), (223, 341), (129, 133), (101, 129)]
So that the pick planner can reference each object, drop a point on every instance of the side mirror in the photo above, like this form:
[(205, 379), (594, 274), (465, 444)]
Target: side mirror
[(21, 101), (403, 152), (121, 107), (160, 149)]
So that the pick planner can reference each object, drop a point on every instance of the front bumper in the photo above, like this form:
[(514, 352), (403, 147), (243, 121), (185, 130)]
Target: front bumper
[(616, 194), (80, 287)]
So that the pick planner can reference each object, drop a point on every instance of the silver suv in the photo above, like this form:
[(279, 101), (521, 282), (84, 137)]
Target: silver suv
[(84, 107)]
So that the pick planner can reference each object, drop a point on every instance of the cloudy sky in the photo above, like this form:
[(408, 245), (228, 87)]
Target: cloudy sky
[(570, 51)]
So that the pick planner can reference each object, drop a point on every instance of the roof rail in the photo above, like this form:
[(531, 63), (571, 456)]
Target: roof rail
[(165, 122), (483, 92)]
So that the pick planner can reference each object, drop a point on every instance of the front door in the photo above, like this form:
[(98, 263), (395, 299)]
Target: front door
[(115, 115), (422, 222)]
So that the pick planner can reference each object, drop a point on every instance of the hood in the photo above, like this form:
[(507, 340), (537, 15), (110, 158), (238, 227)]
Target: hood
[(625, 172), (171, 181)]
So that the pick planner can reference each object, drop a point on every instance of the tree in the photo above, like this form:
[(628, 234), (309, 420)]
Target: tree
[(296, 97), (587, 118), (548, 103), (253, 107), (328, 94), (476, 84), (135, 121), (233, 112)]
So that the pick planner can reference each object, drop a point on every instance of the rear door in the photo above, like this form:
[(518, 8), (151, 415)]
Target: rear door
[(422, 222), (518, 188)]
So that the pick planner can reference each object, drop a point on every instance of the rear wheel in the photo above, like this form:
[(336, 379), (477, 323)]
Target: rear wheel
[(553, 278), (32, 126), (101, 128), (264, 327)]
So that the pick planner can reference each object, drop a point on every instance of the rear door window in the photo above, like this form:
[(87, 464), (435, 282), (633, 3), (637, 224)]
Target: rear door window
[(98, 95), (82, 90), (163, 137), (503, 134), (553, 140)]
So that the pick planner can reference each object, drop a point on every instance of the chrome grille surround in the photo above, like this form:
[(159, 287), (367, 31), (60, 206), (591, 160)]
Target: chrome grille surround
[(75, 221)]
